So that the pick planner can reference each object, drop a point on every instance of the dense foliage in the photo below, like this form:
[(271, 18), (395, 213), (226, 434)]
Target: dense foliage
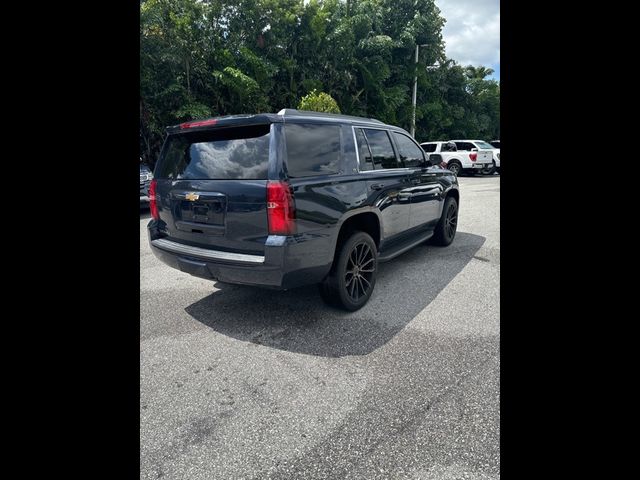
[(318, 102), (201, 58)]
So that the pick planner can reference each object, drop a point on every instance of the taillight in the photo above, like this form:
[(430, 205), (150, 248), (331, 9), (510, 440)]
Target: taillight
[(281, 210), (153, 205), (473, 156)]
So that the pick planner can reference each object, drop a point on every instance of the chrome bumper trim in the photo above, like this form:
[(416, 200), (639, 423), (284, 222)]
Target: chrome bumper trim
[(174, 247)]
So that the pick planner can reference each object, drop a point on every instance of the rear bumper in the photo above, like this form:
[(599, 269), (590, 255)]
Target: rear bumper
[(287, 262), (480, 166)]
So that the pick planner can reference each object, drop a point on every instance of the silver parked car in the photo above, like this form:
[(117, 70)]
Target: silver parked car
[(145, 181)]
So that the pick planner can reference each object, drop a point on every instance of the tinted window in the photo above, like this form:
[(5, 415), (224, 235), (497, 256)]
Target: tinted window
[(464, 145), (312, 149), (363, 151), (448, 147), (411, 155), (231, 153), (428, 147), (381, 148)]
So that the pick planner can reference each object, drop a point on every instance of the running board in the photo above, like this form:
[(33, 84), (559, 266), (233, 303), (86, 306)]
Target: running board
[(404, 246)]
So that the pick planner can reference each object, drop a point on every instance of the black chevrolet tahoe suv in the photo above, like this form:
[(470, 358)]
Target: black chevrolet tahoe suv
[(296, 198)]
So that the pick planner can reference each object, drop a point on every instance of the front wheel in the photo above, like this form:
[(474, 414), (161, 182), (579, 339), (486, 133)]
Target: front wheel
[(447, 226), (350, 283)]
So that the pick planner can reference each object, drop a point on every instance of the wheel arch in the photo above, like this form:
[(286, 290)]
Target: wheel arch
[(368, 220), (453, 192)]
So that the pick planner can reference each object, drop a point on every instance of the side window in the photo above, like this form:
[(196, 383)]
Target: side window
[(464, 146), (312, 149), (380, 144), (411, 155), (429, 147), (364, 153)]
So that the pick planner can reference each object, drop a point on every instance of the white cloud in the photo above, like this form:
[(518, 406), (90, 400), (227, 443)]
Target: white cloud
[(472, 31)]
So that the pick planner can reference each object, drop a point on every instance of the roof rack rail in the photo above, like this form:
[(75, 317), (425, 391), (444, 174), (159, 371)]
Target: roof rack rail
[(308, 113)]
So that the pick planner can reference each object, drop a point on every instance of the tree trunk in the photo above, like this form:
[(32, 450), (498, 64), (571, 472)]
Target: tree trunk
[(188, 78)]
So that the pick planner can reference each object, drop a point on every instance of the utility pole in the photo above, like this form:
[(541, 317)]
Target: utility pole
[(415, 93)]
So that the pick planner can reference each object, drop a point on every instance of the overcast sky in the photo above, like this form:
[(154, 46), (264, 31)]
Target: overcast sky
[(472, 32)]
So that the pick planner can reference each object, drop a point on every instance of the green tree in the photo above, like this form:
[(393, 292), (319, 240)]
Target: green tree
[(318, 102), (217, 57)]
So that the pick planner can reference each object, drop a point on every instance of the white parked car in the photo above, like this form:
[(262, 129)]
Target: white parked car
[(496, 153), (458, 160), (481, 145)]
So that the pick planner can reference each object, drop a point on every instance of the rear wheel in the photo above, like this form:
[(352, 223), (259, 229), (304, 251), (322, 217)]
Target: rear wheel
[(447, 226), (490, 170), (353, 276), (455, 167)]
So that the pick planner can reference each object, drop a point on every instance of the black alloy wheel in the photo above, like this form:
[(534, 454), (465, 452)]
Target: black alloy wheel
[(353, 275), (446, 229), (358, 276)]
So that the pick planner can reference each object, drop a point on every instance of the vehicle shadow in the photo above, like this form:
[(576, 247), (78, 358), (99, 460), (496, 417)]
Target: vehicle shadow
[(298, 320)]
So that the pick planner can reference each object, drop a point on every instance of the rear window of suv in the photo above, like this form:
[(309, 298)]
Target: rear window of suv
[(312, 149), (240, 153)]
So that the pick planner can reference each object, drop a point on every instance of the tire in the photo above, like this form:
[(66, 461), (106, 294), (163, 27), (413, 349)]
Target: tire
[(455, 167), (446, 229), (489, 171), (344, 289)]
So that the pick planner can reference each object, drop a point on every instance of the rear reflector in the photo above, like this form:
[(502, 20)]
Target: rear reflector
[(153, 205), (199, 123), (281, 210), (473, 156)]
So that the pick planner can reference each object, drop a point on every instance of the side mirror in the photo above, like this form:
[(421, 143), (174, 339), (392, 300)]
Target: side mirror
[(434, 159)]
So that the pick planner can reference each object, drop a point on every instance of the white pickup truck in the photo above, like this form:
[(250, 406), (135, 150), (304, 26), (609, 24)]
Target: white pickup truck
[(464, 145), (469, 159)]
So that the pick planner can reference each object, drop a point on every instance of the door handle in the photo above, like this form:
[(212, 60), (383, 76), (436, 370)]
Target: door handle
[(377, 186)]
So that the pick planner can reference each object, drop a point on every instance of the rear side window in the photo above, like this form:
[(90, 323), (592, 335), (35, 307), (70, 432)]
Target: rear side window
[(411, 154), (312, 149), (225, 154), (428, 147), (381, 148), (363, 151)]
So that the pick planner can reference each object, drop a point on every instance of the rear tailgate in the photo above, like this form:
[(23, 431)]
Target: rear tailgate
[(485, 156), (212, 188)]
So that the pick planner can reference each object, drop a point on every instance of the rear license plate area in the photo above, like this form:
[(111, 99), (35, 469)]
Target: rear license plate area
[(210, 213)]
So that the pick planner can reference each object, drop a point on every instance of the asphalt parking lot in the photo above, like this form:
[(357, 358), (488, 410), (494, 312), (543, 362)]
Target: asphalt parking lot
[(239, 382)]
